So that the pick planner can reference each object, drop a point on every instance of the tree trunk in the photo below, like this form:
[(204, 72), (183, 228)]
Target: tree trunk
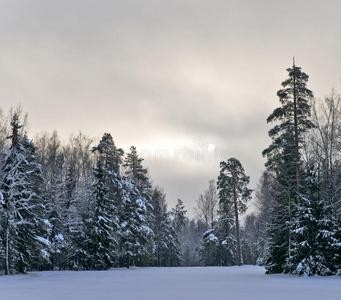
[(297, 154), (7, 249), (237, 227), (127, 262)]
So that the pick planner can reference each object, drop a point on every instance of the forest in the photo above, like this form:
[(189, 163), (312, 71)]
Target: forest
[(89, 205)]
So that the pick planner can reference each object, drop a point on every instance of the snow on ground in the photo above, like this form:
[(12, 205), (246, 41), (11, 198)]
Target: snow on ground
[(234, 283)]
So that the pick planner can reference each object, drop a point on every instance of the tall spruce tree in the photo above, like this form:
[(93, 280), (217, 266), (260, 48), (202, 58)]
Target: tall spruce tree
[(284, 159), (179, 222), (22, 209), (140, 191), (102, 221), (314, 241), (134, 230), (134, 170), (167, 250)]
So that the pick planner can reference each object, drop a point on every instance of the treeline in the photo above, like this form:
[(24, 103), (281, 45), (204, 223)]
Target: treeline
[(87, 205), (80, 207), (77, 206), (297, 226)]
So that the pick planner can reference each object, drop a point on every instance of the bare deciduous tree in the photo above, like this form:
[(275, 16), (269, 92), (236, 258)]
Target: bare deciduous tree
[(207, 205)]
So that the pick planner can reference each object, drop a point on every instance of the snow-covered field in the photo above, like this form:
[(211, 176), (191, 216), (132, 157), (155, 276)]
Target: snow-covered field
[(234, 283)]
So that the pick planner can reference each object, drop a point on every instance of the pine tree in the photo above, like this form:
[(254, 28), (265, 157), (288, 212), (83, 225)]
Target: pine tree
[(166, 241), (219, 243), (179, 222), (179, 216), (284, 159), (137, 178), (103, 226), (294, 117), (40, 246), (134, 232), (314, 233), (210, 248), (100, 242), (233, 194), (135, 171), (22, 208)]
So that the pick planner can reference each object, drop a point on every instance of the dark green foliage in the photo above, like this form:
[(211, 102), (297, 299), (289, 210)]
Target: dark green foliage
[(302, 231), (284, 159), (288, 134)]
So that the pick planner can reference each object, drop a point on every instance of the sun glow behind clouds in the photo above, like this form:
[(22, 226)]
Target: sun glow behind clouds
[(160, 74)]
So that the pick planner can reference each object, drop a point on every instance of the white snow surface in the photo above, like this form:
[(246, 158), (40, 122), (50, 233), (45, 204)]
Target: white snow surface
[(235, 283)]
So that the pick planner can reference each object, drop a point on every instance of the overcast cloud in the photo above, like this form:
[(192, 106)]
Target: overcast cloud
[(194, 80)]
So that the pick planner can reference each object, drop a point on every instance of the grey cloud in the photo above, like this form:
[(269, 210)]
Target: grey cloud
[(173, 69)]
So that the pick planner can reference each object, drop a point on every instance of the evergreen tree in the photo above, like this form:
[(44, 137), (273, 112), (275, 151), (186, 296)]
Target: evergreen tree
[(134, 232), (179, 222), (314, 233), (133, 170), (100, 242), (284, 159), (233, 194), (219, 243), (22, 208), (40, 246), (166, 241), (294, 118), (137, 178), (209, 251), (179, 216)]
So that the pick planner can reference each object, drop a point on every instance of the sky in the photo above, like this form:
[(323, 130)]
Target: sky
[(189, 83)]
